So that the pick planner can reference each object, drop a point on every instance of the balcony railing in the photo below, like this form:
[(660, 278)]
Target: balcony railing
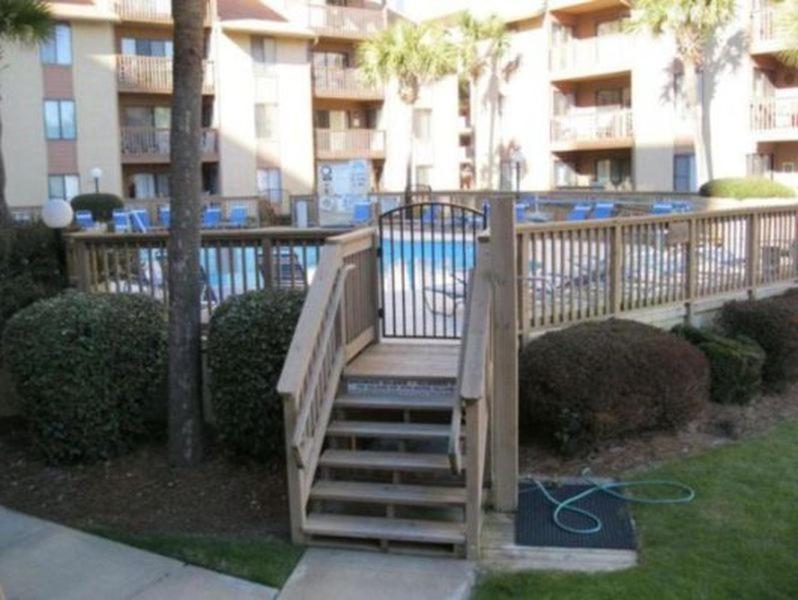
[(336, 82), (596, 125), (764, 29), (145, 144), (152, 74), (150, 11), (346, 21), (350, 143), (774, 117), (604, 53)]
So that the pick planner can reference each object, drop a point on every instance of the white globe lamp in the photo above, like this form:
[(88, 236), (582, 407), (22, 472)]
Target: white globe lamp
[(57, 214), (96, 174)]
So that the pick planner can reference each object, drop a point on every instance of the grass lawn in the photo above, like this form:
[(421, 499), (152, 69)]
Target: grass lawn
[(269, 562), (738, 539)]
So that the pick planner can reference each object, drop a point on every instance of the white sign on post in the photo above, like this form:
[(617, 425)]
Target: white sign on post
[(341, 185)]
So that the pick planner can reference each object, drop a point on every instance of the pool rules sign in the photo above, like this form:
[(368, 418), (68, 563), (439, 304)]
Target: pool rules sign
[(341, 185)]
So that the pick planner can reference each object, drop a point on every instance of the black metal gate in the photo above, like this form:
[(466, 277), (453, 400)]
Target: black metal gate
[(426, 251)]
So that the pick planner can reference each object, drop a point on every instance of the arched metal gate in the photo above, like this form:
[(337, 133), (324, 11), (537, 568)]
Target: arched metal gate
[(426, 251)]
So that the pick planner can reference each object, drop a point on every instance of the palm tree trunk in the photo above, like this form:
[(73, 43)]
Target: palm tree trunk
[(493, 97), (695, 100), (185, 371), (472, 121), (5, 214)]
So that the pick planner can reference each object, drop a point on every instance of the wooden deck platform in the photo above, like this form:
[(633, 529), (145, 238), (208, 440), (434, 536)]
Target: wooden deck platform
[(431, 360)]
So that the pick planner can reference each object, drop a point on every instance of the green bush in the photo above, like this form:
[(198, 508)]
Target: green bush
[(101, 206), (602, 380), (85, 367), (735, 364), (746, 187), (248, 339), (773, 324)]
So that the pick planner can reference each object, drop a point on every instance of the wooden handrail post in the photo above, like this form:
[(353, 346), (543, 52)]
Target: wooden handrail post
[(753, 262), (505, 335), (82, 265), (524, 287), (296, 496), (616, 269), (691, 288), (268, 276)]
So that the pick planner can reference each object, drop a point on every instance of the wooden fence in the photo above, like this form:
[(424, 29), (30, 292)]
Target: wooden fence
[(575, 271)]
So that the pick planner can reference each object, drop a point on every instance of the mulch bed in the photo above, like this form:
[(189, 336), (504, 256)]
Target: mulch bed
[(142, 493), (717, 426)]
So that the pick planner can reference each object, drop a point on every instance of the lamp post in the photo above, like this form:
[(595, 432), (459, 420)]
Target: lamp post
[(57, 215), (96, 174)]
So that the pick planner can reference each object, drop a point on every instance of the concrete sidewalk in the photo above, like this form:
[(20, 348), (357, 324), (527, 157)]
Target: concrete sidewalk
[(42, 560), (351, 575)]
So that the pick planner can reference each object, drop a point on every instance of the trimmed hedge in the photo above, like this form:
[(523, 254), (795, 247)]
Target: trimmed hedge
[(735, 364), (597, 381), (101, 206), (248, 340), (773, 324), (85, 366), (746, 187)]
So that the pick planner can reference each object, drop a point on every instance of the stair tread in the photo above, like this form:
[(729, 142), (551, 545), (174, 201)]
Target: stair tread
[(389, 461), (389, 493), (381, 429), (405, 530), (398, 402)]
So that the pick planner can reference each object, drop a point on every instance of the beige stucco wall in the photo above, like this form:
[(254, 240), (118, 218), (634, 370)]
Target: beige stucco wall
[(21, 108), (96, 105)]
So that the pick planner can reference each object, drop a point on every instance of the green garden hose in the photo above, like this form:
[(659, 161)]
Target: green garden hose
[(687, 495)]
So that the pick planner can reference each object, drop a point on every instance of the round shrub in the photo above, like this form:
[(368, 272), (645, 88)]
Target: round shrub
[(101, 206), (84, 367), (773, 324), (602, 380), (735, 364), (746, 187), (248, 340)]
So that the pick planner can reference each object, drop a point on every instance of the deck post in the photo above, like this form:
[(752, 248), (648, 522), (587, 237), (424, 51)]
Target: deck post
[(504, 440)]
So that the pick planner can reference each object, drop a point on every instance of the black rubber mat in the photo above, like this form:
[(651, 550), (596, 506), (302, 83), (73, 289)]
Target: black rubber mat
[(534, 522)]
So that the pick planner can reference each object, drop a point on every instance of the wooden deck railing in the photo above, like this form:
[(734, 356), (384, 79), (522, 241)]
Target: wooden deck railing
[(337, 320), (763, 25), (597, 124), (350, 143), (346, 21), (148, 143), (773, 115), (570, 272), (150, 11), (337, 82), (605, 52), (474, 395), (153, 74)]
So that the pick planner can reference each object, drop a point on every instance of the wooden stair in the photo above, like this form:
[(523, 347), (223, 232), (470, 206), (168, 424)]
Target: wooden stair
[(384, 477)]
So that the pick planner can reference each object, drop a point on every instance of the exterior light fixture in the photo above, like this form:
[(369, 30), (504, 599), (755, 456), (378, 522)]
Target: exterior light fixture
[(96, 174), (57, 213)]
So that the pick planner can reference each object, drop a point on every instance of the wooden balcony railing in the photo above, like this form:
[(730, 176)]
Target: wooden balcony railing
[(594, 125), (605, 53), (336, 82), (350, 143), (153, 74), (150, 11), (346, 21), (142, 144), (764, 27), (773, 116)]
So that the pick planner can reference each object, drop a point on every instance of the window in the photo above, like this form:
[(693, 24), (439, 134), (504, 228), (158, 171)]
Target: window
[(150, 185), (759, 165), (63, 187), (57, 49), (265, 121), (615, 97), (423, 175), (270, 183), (422, 124), (564, 174), (263, 50), (148, 116), (614, 171), (610, 27), (59, 119), (337, 60), (684, 173), (147, 47)]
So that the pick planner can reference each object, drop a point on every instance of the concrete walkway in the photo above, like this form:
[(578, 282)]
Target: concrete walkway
[(350, 575), (42, 560)]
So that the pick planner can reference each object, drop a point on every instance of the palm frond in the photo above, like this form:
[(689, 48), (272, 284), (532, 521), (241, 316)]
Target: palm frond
[(25, 21), (787, 19)]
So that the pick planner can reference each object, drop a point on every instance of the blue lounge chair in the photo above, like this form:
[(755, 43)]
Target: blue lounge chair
[(683, 206), (140, 220), (662, 208), (238, 216), (84, 220), (604, 210), (211, 218), (361, 213), (121, 221), (579, 212), (165, 216)]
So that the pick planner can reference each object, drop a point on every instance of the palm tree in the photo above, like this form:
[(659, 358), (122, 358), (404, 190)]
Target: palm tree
[(185, 373), (412, 55), (786, 18), (482, 45), (25, 22), (693, 24)]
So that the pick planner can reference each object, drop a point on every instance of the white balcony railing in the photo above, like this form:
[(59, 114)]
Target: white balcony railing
[(763, 25), (151, 143), (152, 74), (593, 125), (350, 143), (599, 53), (336, 82), (150, 11), (346, 21), (775, 115)]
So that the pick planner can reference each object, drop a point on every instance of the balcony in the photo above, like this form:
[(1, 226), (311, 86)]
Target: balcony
[(587, 58), (765, 32), (342, 144), (775, 119), (346, 21), (582, 6), (336, 82), (592, 129), (150, 11), (151, 145), (152, 74)]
